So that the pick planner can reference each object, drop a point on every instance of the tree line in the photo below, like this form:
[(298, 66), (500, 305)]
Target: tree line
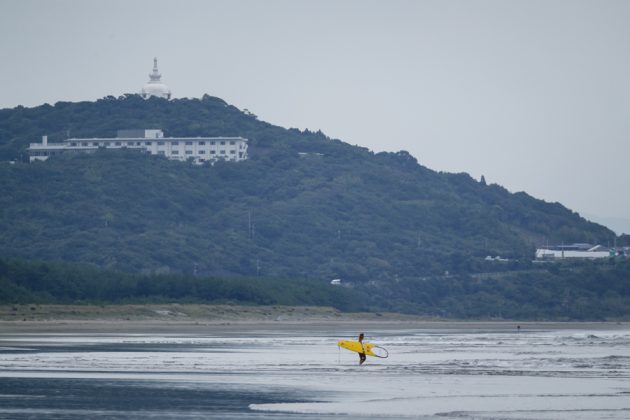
[(588, 291)]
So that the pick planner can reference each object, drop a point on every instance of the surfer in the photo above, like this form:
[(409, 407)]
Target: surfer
[(361, 355)]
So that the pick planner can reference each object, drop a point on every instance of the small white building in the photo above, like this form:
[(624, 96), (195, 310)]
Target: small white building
[(496, 258), (196, 149), (573, 251)]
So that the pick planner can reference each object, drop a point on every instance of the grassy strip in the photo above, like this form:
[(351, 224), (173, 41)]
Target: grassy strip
[(183, 312)]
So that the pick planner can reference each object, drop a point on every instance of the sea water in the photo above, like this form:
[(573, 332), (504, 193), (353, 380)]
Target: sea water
[(298, 372)]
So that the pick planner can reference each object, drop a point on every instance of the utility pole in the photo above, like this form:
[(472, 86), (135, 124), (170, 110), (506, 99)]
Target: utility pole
[(249, 224)]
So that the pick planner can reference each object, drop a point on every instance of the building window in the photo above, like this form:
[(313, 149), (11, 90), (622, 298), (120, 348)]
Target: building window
[(202, 143), (189, 152), (202, 152), (160, 143), (232, 142), (95, 143), (129, 143), (232, 152), (118, 143), (212, 143), (189, 143), (85, 144), (174, 143), (161, 152), (175, 152), (222, 143), (138, 143), (147, 143), (213, 152), (222, 152), (73, 144)]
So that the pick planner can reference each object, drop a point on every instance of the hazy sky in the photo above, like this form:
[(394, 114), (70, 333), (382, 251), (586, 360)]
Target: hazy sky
[(535, 95)]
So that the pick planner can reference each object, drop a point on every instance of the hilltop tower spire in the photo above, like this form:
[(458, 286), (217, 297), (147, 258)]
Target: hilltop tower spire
[(155, 76)]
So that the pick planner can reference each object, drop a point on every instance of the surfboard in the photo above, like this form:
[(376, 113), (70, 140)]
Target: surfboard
[(368, 348)]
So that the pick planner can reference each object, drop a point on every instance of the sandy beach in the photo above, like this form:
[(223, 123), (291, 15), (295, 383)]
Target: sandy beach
[(194, 318)]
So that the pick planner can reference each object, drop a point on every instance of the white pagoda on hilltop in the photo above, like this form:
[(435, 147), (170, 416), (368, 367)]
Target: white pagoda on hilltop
[(155, 87)]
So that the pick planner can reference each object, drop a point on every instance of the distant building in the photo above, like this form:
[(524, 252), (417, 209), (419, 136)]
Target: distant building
[(197, 149), (579, 250), (155, 87), (497, 258)]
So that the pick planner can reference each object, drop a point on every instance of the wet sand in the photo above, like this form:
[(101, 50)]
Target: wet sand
[(263, 369)]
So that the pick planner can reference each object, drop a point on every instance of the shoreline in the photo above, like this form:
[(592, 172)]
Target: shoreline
[(196, 318), (11, 329)]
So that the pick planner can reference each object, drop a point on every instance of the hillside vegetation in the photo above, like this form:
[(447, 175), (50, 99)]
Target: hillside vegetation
[(588, 291), (62, 283), (303, 207)]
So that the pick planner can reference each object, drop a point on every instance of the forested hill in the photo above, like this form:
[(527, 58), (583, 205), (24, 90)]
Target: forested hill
[(302, 206)]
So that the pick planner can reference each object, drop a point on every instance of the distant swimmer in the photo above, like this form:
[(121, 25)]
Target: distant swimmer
[(362, 354)]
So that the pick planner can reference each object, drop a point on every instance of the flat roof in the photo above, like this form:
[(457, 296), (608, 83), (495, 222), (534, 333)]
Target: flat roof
[(152, 138)]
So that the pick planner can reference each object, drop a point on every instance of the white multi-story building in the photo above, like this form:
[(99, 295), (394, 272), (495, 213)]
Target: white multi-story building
[(196, 149)]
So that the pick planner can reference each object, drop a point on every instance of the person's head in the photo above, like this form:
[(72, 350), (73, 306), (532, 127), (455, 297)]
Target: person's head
[(361, 336)]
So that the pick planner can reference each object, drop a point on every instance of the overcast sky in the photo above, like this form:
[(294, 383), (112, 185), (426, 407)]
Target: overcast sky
[(535, 95)]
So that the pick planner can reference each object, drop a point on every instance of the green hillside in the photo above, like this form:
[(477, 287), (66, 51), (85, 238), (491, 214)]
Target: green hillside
[(303, 206), (579, 291)]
